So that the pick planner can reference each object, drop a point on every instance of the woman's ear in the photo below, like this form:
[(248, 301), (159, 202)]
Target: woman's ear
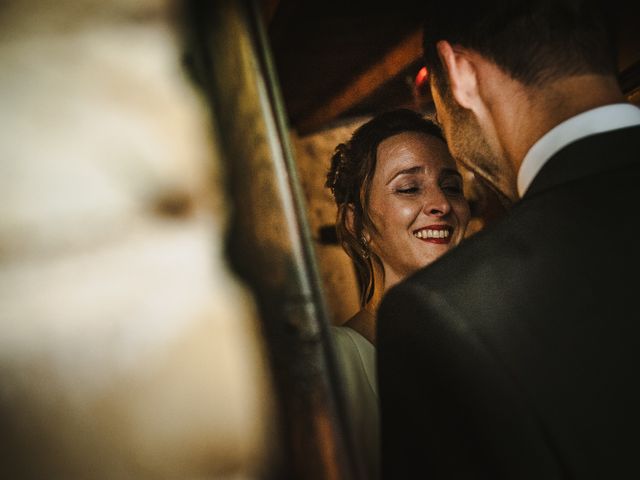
[(462, 73), (350, 216)]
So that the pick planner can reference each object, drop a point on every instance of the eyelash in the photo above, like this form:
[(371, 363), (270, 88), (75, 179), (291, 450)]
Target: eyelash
[(408, 190), (451, 189)]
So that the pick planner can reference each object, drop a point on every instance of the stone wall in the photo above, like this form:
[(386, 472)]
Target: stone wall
[(313, 158)]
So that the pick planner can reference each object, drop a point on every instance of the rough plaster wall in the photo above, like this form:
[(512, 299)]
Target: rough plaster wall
[(313, 157), (127, 349)]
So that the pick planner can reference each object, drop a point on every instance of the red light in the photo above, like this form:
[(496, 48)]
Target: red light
[(421, 78)]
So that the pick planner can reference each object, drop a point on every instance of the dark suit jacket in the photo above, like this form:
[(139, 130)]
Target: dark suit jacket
[(517, 355)]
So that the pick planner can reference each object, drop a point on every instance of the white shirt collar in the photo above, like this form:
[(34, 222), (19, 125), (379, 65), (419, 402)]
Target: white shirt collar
[(591, 122)]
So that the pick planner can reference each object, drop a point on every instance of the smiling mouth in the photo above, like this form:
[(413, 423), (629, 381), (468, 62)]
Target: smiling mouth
[(434, 234)]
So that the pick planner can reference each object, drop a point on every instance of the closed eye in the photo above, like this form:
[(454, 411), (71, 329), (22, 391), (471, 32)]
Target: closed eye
[(452, 189), (451, 184), (408, 190)]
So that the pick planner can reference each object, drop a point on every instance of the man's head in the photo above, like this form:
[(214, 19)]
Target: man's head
[(480, 53)]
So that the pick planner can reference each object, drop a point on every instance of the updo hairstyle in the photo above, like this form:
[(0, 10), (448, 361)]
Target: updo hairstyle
[(352, 168)]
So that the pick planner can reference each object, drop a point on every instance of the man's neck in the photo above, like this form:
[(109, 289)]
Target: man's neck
[(536, 110)]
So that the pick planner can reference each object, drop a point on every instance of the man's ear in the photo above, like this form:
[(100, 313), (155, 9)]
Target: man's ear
[(462, 73)]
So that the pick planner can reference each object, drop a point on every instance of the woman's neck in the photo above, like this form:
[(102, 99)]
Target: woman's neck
[(364, 322)]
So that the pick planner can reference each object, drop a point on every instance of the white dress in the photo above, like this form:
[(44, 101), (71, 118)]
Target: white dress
[(357, 370)]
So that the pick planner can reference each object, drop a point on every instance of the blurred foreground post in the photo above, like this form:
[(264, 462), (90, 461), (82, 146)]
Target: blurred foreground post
[(270, 243), (128, 350)]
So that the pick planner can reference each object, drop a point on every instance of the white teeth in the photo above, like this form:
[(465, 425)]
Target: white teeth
[(428, 233)]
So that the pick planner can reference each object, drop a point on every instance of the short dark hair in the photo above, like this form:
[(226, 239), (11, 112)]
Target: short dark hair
[(534, 41), (352, 167)]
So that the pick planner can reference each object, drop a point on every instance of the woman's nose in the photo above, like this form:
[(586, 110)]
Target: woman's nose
[(437, 204)]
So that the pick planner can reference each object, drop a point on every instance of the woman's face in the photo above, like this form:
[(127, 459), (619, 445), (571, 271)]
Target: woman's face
[(416, 204)]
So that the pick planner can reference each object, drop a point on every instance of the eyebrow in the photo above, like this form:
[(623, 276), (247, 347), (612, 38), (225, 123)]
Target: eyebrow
[(405, 171), (418, 168)]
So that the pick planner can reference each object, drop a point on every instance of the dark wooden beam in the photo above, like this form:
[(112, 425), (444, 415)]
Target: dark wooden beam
[(362, 86)]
